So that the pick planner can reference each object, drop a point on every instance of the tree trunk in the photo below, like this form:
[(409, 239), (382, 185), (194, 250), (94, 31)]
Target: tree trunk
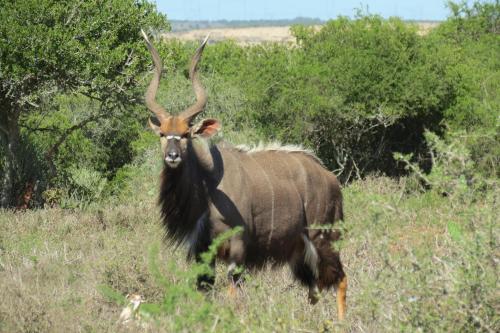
[(10, 145)]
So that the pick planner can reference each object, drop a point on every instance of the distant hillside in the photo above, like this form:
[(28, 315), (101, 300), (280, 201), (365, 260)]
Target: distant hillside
[(184, 25)]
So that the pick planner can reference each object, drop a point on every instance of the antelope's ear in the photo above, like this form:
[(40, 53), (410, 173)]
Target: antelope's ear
[(153, 126), (206, 128)]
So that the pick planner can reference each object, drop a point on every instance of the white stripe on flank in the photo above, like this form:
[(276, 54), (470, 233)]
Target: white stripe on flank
[(272, 201), (310, 255), (318, 203), (304, 177)]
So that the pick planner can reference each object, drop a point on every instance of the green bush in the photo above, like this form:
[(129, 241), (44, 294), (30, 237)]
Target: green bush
[(454, 172), (85, 187), (354, 91), (357, 90), (103, 146), (471, 33)]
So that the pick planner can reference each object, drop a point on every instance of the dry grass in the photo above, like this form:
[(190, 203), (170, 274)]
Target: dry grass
[(398, 254), (53, 261)]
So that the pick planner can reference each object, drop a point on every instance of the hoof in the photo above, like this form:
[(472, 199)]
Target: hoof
[(314, 295)]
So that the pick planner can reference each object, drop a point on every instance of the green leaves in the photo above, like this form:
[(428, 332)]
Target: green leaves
[(72, 44)]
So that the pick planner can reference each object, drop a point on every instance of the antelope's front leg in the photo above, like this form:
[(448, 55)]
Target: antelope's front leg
[(205, 281), (236, 259)]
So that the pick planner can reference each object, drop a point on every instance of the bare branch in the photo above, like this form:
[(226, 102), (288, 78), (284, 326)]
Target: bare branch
[(32, 104), (128, 62), (91, 96), (40, 129)]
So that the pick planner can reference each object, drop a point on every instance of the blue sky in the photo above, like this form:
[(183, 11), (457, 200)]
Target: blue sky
[(288, 9)]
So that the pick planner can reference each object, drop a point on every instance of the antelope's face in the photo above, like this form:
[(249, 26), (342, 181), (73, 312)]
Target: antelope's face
[(176, 131)]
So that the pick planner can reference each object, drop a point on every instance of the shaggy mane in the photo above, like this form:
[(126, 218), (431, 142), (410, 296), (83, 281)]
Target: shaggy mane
[(182, 200), (276, 146)]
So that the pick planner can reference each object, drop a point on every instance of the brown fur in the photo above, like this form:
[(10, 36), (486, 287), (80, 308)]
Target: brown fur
[(174, 125), (272, 227)]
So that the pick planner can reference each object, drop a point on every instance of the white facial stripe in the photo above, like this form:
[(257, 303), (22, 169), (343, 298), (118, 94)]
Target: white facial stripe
[(176, 137)]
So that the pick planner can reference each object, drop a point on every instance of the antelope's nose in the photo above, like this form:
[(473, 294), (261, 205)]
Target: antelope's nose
[(173, 155)]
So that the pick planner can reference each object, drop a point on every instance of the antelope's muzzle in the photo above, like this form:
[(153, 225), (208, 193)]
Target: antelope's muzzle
[(173, 151)]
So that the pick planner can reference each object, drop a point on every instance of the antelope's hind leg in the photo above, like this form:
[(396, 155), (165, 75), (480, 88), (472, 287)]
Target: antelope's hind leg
[(341, 290), (331, 274), (304, 265)]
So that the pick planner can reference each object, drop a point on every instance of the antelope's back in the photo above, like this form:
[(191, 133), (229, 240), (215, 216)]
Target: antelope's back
[(293, 179)]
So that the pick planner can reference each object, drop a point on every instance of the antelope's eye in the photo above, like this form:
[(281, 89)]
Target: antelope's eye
[(162, 135)]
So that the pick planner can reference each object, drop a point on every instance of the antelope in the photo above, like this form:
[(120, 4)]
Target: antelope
[(282, 197)]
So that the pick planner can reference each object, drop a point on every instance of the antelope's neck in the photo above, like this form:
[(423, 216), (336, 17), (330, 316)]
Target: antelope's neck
[(183, 199)]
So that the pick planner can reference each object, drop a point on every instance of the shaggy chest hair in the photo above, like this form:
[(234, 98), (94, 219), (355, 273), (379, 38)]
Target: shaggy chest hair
[(183, 200)]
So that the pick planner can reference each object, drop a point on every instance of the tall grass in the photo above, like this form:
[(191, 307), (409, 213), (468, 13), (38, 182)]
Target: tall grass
[(415, 261)]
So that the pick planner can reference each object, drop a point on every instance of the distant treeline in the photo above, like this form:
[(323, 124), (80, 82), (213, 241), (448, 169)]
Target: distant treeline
[(185, 25)]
